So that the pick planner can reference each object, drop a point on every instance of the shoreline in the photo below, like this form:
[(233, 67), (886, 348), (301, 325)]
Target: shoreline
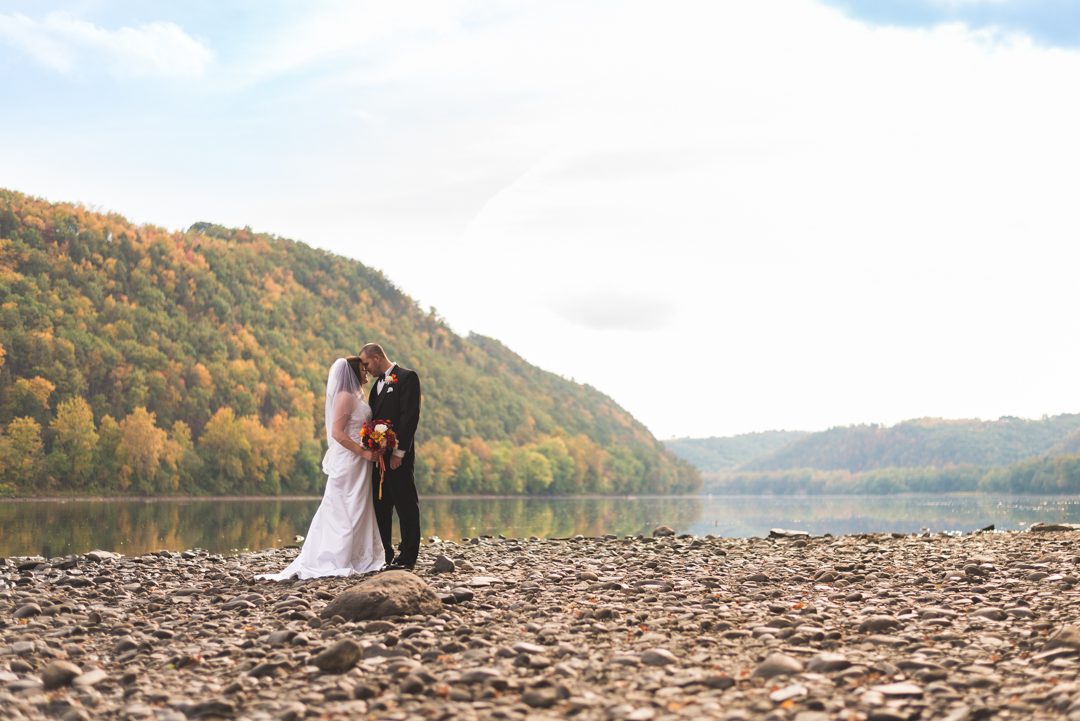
[(862, 627), (496, 497)]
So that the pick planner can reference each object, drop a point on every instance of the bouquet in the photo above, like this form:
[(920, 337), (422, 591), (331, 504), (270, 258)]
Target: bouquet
[(379, 436)]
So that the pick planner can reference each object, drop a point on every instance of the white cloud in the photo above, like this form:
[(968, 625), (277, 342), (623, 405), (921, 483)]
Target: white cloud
[(336, 30), (970, 3), (67, 44), (612, 308)]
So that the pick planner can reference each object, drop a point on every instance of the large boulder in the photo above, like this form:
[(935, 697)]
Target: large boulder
[(392, 593)]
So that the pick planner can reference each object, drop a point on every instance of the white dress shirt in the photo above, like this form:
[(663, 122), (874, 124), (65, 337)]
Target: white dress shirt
[(381, 383)]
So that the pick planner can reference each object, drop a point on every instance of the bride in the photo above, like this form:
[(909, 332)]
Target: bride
[(343, 539)]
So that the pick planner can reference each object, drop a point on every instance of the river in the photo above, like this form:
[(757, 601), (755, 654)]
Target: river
[(60, 527)]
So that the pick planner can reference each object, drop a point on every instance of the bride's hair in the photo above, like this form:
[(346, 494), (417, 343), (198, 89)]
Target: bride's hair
[(354, 364), (341, 379)]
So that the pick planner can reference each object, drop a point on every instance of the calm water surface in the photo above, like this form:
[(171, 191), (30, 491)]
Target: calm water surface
[(55, 528)]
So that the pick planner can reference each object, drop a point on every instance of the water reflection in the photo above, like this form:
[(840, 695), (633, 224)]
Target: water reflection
[(54, 528), (754, 515)]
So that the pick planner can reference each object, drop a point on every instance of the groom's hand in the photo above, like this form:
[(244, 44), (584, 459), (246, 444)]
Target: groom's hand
[(395, 462)]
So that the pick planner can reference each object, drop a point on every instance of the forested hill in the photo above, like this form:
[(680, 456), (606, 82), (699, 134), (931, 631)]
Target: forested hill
[(924, 442), (922, 455), (139, 360), (711, 455)]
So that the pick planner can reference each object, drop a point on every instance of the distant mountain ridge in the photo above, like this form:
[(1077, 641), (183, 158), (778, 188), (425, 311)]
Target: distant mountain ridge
[(711, 455), (922, 442), (139, 360), (925, 454)]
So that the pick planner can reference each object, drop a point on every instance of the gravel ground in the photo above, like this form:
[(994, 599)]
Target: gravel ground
[(881, 627)]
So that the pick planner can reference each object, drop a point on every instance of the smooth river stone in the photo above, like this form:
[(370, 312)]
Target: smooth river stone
[(778, 664), (59, 673)]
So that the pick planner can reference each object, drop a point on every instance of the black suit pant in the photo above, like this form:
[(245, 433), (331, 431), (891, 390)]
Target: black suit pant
[(398, 494)]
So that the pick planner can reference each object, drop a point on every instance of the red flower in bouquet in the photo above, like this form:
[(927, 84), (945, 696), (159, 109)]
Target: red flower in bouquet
[(379, 436)]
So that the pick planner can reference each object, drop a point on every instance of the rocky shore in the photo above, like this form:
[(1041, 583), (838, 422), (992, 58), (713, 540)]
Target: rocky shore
[(877, 627)]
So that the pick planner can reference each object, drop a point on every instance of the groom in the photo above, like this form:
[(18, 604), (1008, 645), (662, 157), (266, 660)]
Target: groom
[(395, 397)]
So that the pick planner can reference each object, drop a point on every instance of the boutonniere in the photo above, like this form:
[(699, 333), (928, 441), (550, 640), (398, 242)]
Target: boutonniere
[(391, 379)]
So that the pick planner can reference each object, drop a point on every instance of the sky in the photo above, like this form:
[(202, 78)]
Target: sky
[(728, 216)]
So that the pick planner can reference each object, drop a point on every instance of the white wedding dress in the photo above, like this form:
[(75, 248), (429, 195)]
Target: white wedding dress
[(343, 539)]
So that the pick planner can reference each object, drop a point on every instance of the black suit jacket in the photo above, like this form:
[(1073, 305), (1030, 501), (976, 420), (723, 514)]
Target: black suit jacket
[(398, 403)]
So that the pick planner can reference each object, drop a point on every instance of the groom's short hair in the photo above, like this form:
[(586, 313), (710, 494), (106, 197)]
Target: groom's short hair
[(373, 349)]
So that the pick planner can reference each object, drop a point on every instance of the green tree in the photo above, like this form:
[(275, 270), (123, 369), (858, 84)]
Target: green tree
[(225, 451), (468, 476), (564, 478), (140, 450), (29, 397), (180, 463), (107, 458), (262, 464), (21, 455), (536, 471), (74, 442)]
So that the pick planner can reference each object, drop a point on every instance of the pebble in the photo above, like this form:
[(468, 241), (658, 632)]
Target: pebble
[(795, 690), (994, 614), (658, 657), (59, 673), (826, 662), (27, 611), (483, 581), (90, 678), (540, 697), (1065, 637), (280, 638), (527, 648), (785, 533), (460, 594), (902, 688), (339, 658), (480, 675), (878, 624), (778, 664)]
